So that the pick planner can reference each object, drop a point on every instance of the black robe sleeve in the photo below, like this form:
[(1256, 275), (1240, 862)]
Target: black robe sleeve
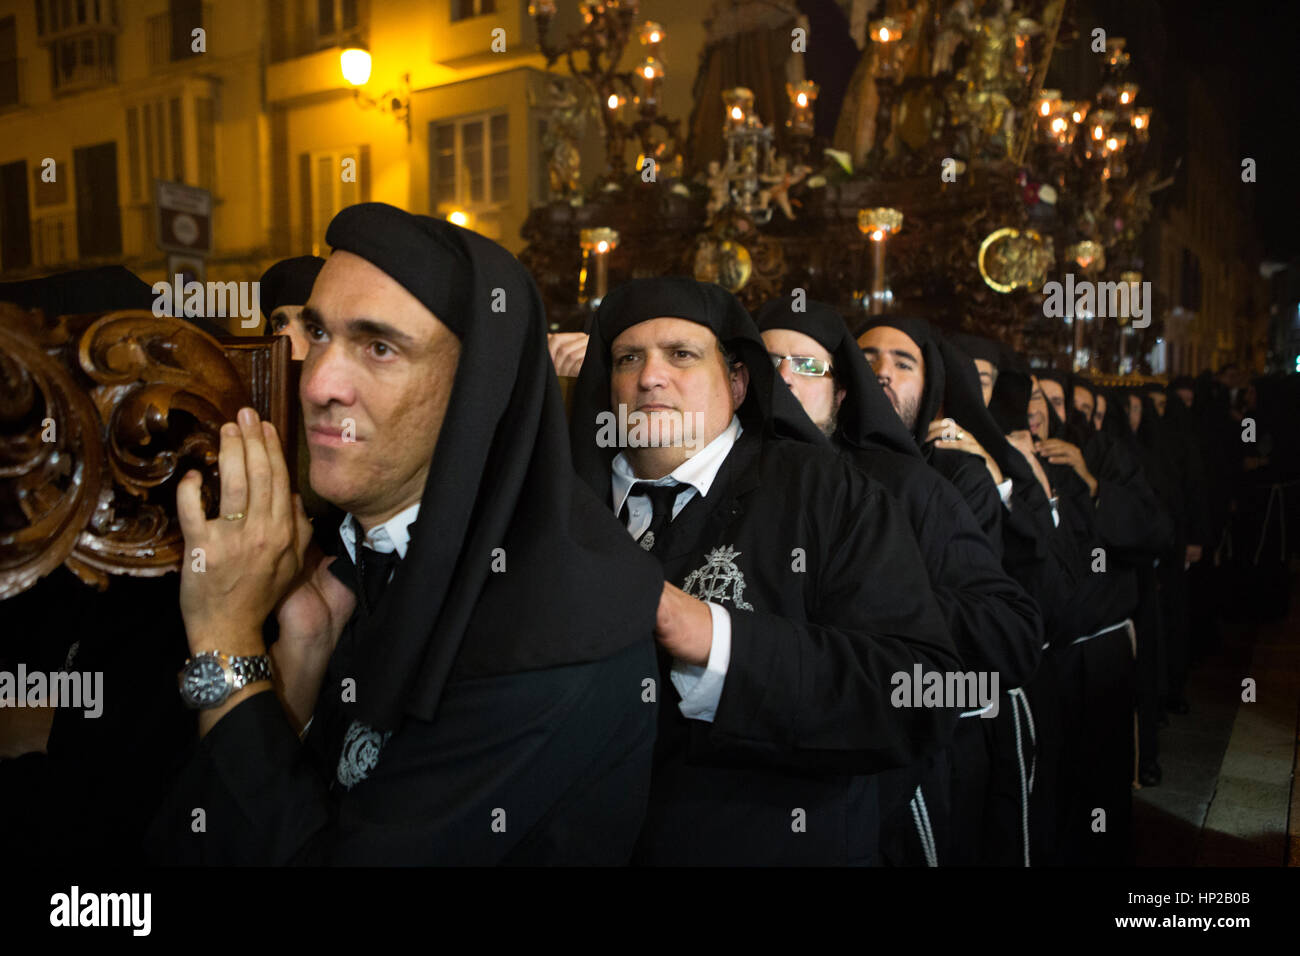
[(1129, 515), (970, 476), (546, 766), (806, 695), (993, 622)]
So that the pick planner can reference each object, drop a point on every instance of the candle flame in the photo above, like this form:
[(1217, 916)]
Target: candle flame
[(654, 36), (1098, 132), (878, 235), (649, 72), (802, 99), (737, 113), (602, 246), (1044, 108), (884, 34)]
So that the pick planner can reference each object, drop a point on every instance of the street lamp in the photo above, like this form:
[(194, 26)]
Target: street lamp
[(355, 63)]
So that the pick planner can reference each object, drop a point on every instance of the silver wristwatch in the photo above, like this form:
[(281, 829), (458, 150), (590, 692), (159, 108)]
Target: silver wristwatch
[(208, 679)]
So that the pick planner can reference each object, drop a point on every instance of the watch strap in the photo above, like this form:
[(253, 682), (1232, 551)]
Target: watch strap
[(248, 670)]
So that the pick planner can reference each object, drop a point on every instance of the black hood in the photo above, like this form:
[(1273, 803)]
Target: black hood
[(288, 282), (500, 487), (103, 289), (769, 407), (866, 418), (919, 331)]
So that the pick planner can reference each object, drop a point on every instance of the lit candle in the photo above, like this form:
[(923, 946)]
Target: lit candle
[(596, 243), (651, 34), (739, 104), (802, 97), (650, 71), (877, 225)]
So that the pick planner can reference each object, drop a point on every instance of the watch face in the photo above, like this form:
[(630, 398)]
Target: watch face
[(204, 682)]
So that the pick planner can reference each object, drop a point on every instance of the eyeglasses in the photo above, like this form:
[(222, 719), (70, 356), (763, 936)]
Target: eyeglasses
[(802, 364)]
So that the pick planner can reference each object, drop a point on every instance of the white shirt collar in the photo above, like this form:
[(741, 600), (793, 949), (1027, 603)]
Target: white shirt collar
[(392, 535), (698, 471)]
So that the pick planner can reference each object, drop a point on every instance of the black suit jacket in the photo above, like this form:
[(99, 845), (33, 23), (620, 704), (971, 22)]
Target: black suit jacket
[(835, 601)]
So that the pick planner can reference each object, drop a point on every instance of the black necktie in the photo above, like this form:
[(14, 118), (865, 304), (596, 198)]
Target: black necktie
[(375, 568), (662, 499)]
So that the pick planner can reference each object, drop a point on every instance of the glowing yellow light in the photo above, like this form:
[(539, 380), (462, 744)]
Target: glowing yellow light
[(1058, 125), (649, 72), (458, 217), (802, 99), (1112, 143), (1125, 97), (884, 34), (1044, 108), (1139, 122), (1098, 133), (654, 36), (878, 235), (602, 246), (737, 113), (613, 101), (355, 64), (1077, 115)]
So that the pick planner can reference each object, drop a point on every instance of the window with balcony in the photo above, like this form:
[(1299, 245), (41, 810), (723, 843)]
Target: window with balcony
[(54, 17), (464, 9), (470, 162), (171, 34), (337, 21), (155, 143), (81, 36), (331, 190)]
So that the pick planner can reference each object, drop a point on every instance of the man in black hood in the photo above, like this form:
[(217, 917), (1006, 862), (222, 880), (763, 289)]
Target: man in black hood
[(795, 598), (904, 354), (466, 693), (285, 289), (993, 623)]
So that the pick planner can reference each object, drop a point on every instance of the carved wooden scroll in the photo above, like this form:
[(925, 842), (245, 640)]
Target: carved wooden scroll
[(100, 416)]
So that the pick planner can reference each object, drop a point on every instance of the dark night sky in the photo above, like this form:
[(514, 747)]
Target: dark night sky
[(1254, 43)]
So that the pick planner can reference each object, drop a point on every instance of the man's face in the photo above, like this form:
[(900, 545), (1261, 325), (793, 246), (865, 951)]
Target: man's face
[(1099, 415), (1159, 399), (1083, 402), (287, 320), (1038, 411), (816, 393), (899, 368), (1134, 412), (1055, 396), (1187, 396), (668, 369), (375, 386), (988, 375)]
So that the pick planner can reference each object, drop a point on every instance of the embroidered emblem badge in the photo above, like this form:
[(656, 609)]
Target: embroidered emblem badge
[(361, 746), (647, 540), (719, 579)]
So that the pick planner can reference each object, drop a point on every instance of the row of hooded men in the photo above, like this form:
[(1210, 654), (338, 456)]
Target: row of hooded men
[(707, 647)]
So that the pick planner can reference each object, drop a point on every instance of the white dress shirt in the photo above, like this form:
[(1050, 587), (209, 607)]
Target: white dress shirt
[(700, 687), (393, 535)]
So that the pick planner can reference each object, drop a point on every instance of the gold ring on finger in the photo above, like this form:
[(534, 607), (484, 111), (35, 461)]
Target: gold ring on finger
[(237, 516)]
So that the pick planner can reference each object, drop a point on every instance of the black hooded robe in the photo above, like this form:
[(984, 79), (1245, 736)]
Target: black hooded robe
[(993, 623), (496, 717), (835, 602)]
